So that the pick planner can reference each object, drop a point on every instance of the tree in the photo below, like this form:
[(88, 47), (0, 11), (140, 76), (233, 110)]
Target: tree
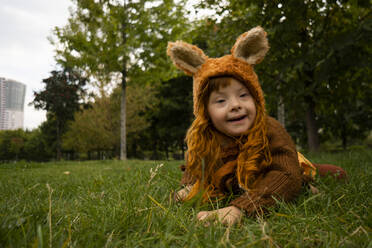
[(141, 99), (61, 97), (332, 41), (12, 144), (92, 129), (351, 120), (305, 37), (105, 38), (36, 147), (98, 127), (345, 74), (171, 116)]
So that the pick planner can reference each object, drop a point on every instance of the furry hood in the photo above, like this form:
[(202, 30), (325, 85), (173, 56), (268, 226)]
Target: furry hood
[(249, 49)]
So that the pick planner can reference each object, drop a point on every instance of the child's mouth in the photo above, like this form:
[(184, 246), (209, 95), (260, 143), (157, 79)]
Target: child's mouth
[(237, 119)]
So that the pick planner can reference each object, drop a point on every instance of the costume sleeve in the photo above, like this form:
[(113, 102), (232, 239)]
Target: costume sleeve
[(282, 180), (274, 184)]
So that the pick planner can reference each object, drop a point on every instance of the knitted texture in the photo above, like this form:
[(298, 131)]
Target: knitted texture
[(281, 180)]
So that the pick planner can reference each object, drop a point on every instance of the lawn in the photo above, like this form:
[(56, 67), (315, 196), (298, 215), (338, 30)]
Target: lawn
[(129, 204)]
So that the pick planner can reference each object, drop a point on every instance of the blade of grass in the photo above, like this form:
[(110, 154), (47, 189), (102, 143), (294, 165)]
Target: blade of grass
[(167, 211)]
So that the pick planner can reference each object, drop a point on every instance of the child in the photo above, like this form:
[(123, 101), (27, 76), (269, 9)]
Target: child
[(234, 148)]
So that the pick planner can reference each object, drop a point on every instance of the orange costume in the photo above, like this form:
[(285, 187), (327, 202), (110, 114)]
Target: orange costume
[(260, 166)]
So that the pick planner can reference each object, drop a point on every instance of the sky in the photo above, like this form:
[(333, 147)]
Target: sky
[(26, 55)]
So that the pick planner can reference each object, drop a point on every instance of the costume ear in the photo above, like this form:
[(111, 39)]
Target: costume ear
[(185, 56), (251, 46)]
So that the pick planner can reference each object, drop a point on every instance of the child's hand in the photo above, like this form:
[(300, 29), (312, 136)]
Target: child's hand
[(182, 194), (228, 216)]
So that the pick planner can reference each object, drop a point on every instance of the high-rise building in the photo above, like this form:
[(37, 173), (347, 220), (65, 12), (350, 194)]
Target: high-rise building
[(12, 101)]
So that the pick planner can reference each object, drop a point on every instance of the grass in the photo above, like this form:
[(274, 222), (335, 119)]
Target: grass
[(124, 204)]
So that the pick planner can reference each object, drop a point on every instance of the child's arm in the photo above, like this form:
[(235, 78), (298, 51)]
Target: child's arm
[(274, 185), (187, 181), (279, 183), (282, 180), (182, 194)]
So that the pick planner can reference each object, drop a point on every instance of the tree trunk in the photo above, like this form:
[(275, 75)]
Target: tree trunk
[(311, 126), (123, 106)]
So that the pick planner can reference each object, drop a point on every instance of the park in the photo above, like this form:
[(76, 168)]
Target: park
[(103, 168)]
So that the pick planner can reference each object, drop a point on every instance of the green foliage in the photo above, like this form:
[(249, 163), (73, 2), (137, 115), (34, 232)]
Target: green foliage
[(151, 122), (62, 94), (98, 127), (171, 116), (11, 144), (37, 146), (92, 129), (128, 204), (104, 37), (61, 98), (24, 145), (319, 61), (111, 38)]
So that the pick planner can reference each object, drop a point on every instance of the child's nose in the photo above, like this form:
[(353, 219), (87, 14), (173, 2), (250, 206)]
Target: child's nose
[(235, 103)]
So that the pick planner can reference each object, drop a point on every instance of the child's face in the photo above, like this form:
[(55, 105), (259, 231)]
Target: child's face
[(232, 108)]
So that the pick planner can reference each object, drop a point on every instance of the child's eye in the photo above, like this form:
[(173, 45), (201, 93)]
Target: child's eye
[(244, 95), (220, 100)]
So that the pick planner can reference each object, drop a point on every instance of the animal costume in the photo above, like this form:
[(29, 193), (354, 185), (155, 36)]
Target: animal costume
[(255, 177)]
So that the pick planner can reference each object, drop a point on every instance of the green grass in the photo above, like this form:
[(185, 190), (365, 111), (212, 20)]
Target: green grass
[(115, 204)]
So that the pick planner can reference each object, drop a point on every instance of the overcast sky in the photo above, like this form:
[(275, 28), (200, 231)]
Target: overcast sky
[(26, 55), (25, 52)]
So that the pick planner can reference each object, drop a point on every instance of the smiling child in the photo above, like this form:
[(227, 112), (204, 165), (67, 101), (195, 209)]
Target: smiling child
[(235, 150)]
